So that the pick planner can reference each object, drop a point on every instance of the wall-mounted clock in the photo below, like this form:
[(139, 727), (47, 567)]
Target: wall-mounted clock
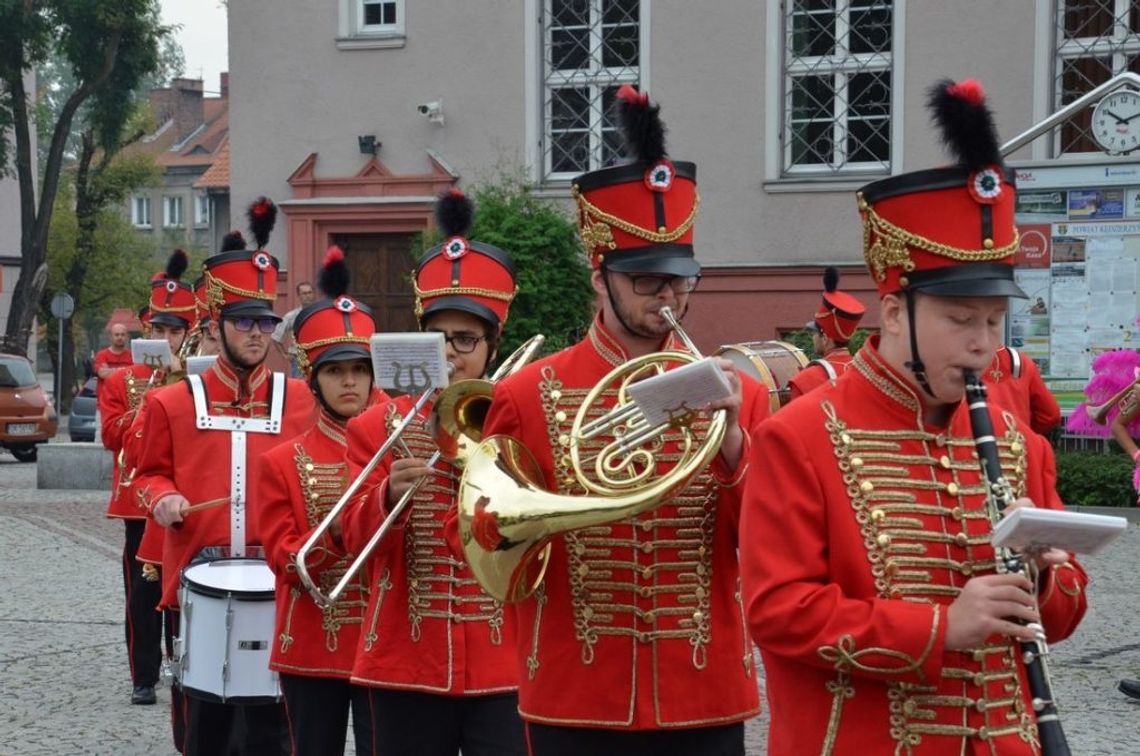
[(1116, 122)]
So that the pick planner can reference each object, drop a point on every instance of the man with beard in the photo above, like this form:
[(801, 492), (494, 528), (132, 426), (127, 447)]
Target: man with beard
[(202, 440)]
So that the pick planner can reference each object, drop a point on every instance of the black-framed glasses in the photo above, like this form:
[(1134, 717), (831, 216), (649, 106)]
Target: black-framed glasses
[(649, 285), (265, 325), (464, 343)]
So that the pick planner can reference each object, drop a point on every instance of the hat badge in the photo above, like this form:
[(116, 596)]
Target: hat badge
[(344, 304), (455, 247), (171, 286), (985, 186), (659, 177), (262, 261)]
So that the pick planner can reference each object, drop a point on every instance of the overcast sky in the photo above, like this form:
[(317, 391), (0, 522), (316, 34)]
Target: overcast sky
[(202, 36)]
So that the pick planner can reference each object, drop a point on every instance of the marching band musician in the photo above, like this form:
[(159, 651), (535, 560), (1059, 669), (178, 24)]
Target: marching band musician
[(170, 316), (635, 641), (182, 465), (1015, 383), (436, 653), (831, 328), (313, 647), (870, 582)]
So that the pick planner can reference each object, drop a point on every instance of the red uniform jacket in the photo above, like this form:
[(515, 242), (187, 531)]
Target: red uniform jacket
[(861, 525), (638, 623), (175, 456), (429, 626), (120, 399), (815, 374), (301, 480), (1015, 383)]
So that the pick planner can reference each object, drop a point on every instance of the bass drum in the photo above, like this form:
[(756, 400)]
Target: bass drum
[(228, 615), (773, 363)]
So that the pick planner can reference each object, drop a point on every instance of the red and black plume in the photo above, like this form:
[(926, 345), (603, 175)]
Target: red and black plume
[(262, 215), (333, 280), (233, 240), (641, 125), (176, 264), (454, 213), (966, 124), (830, 279)]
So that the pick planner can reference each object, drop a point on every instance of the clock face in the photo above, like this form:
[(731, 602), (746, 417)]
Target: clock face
[(1116, 122)]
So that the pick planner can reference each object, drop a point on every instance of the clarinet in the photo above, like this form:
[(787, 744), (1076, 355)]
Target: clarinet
[(999, 494)]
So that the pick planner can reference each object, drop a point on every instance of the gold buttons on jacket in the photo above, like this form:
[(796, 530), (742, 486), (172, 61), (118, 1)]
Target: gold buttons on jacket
[(945, 462), (878, 515), (856, 462), (1015, 447), (952, 488), (866, 486), (555, 394), (961, 539), (883, 540), (560, 416)]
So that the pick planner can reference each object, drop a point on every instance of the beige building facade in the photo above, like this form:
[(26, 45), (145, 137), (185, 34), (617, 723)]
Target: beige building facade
[(786, 108)]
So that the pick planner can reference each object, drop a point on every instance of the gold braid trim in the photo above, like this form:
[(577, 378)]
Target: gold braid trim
[(595, 224), (459, 291), (885, 245), (188, 308), (215, 288)]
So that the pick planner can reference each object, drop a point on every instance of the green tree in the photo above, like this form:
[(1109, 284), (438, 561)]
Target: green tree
[(109, 46), (554, 294)]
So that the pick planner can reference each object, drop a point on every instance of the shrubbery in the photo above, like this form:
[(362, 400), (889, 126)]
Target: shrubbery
[(1099, 479)]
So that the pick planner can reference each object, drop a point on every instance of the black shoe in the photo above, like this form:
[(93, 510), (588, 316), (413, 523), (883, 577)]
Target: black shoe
[(143, 695), (1130, 688)]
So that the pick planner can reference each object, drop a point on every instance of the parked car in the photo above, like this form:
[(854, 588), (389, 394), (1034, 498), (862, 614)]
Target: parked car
[(81, 421), (27, 416)]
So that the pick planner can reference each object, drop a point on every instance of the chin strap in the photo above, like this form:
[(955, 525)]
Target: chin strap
[(915, 364)]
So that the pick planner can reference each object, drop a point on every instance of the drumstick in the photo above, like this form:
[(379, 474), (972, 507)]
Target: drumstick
[(209, 504)]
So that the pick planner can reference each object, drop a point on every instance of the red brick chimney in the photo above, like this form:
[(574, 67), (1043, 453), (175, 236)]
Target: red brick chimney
[(181, 103), (225, 84)]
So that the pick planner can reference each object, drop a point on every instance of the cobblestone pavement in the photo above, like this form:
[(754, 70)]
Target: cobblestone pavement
[(64, 687)]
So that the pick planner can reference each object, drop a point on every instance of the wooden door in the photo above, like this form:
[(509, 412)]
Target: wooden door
[(381, 268)]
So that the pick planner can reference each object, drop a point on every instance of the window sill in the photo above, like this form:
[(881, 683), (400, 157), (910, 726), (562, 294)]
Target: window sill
[(552, 189), (371, 42)]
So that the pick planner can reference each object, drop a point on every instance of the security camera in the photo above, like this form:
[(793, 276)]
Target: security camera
[(433, 110)]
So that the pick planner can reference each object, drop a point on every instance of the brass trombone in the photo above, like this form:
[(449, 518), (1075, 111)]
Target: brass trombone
[(1099, 412), (506, 516), (457, 413)]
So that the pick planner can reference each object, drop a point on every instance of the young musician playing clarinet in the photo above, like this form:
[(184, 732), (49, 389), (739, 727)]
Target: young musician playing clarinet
[(436, 653), (870, 583), (301, 480)]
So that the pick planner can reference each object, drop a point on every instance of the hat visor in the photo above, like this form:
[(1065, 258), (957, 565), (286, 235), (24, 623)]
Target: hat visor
[(811, 325), (165, 319), (344, 353), (674, 260), (249, 308), (980, 287)]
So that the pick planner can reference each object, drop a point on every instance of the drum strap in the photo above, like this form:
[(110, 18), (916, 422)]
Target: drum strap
[(237, 428), (827, 368), (1014, 362)]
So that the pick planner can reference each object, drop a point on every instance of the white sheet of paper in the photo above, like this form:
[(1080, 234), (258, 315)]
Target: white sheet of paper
[(199, 365), (409, 362), (1078, 532), (154, 353), (680, 391)]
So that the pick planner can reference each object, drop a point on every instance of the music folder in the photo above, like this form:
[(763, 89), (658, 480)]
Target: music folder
[(677, 394), (1032, 529)]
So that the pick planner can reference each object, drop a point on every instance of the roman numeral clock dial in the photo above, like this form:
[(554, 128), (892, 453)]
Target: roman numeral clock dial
[(1116, 122)]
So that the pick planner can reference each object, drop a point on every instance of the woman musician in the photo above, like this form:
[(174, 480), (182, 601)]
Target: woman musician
[(313, 646), (436, 654)]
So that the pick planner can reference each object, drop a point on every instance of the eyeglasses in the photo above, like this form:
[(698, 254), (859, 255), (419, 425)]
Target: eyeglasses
[(265, 325), (464, 343), (652, 285)]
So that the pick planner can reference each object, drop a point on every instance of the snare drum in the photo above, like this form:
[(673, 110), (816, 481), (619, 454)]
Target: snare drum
[(773, 363), (227, 628)]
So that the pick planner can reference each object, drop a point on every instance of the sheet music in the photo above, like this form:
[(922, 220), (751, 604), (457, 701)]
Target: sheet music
[(1032, 528), (153, 353), (680, 392), (199, 365), (409, 362)]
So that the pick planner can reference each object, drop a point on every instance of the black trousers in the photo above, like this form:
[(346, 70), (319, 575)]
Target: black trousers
[(547, 740), (317, 710), (407, 723), (143, 620), (227, 729)]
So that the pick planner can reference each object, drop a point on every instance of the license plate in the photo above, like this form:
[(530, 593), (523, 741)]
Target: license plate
[(22, 429)]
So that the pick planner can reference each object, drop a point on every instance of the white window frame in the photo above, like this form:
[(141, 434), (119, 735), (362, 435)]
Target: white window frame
[(354, 34), (172, 217), (536, 85), (140, 211), (201, 210), (1117, 46), (777, 150)]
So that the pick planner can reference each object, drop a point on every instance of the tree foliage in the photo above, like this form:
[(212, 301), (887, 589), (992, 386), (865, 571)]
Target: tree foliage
[(554, 294), (108, 47)]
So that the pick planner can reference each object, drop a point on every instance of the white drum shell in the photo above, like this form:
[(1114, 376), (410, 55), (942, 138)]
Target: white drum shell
[(227, 624)]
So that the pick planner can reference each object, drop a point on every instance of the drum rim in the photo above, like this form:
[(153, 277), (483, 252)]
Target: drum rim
[(232, 593)]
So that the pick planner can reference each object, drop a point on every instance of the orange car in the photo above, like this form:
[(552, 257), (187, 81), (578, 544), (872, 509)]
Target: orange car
[(26, 415)]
